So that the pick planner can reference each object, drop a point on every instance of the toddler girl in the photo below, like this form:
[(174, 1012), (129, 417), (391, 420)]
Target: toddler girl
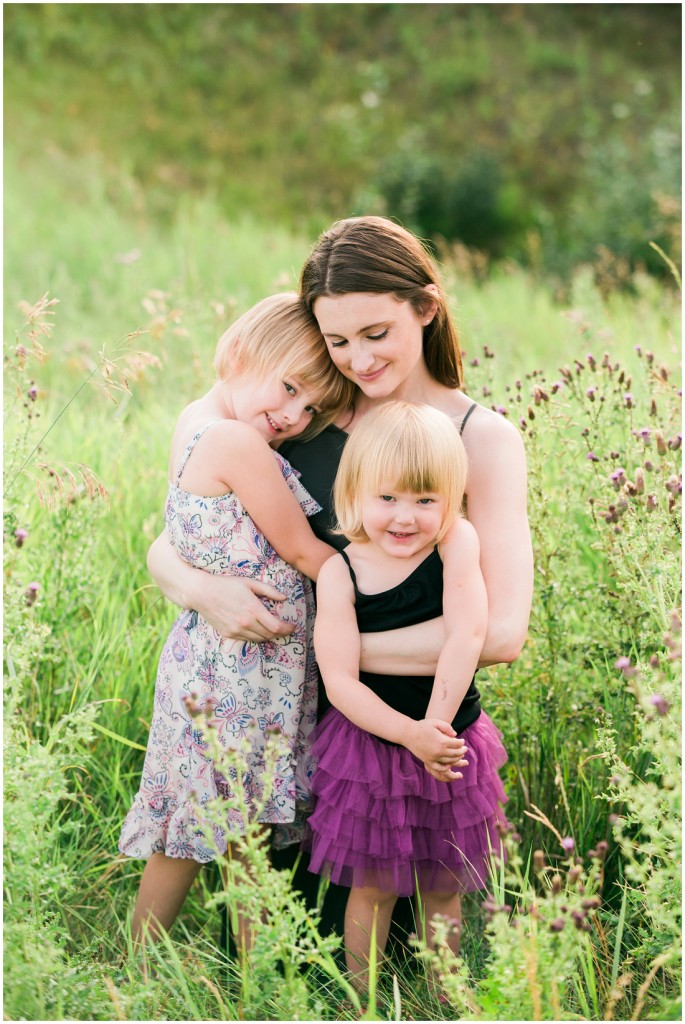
[(400, 810), (235, 506)]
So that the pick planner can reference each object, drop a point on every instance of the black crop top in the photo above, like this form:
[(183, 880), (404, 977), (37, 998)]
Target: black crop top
[(418, 598)]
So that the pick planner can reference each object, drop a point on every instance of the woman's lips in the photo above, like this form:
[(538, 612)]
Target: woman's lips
[(368, 377)]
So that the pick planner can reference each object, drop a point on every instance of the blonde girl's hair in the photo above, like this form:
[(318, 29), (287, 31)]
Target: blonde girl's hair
[(401, 447), (279, 337), (373, 254)]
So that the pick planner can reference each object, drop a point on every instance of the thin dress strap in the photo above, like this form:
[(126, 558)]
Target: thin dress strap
[(189, 447), (468, 413), (349, 566)]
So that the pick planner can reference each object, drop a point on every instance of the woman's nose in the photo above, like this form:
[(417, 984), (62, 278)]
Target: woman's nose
[(361, 359)]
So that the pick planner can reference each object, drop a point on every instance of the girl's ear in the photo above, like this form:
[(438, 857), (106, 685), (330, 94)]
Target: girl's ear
[(430, 304)]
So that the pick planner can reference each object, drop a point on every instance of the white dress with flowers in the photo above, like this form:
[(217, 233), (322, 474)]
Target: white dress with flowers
[(241, 692)]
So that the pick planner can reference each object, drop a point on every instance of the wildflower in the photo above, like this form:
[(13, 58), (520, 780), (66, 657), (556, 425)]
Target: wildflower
[(626, 668), (475, 362), (605, 361), (663, 372), (602, 849), (531, 414), (628, 400), (592, 457), (654, 661), (660, 704), (501, 410), (518, 385), (652, 408), (676, 622), (523, 424), (645, 434), (556, 884), (557, 924), (649, 356), (649, 465), (638, 349), (539, 860), (674, 443), (660, 443), (674, 484), (486, 391), (578, 915), (31, 593), (591, 903), (651, 502), (568, 844), (557, 386), (579, 366), (20, 536), (618, 478), (611, 515), (639, 480), (591, 361), (591, 392), (32, 393), (539, 395)]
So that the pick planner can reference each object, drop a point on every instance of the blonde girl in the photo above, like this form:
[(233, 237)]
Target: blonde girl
[(234, 506), (407, 791)]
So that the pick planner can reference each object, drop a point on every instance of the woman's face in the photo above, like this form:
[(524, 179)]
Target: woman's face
[(374, 339)]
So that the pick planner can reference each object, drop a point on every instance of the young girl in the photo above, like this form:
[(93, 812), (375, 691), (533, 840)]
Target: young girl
[(231, 501), (400, 810)]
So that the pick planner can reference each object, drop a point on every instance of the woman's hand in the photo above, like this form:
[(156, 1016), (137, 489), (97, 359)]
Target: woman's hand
[(231, 604)]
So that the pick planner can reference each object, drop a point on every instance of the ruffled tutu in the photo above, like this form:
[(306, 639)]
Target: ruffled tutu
[(381, 820)]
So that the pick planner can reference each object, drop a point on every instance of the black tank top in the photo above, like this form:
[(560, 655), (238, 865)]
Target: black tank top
[(418, 598)]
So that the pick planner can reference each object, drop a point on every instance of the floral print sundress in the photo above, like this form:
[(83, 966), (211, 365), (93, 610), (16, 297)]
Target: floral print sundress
[(242, 690)]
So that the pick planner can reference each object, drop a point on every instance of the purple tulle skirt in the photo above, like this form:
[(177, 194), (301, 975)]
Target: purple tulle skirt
[(381, 820)]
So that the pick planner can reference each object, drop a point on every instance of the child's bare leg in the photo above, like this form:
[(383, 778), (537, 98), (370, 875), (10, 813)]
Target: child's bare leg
[(449, 905), (367, 908), (163, 888)]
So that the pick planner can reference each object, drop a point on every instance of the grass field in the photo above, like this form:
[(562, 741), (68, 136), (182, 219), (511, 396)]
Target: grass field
[(590, 711)]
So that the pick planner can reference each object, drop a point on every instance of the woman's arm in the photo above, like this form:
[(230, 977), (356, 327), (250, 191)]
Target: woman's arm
[(336, 642), (230, 604), (497, 493), (234, 456)]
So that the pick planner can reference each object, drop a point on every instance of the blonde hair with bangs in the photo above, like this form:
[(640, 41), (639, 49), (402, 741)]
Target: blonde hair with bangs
[(278, 337), (402, 447)]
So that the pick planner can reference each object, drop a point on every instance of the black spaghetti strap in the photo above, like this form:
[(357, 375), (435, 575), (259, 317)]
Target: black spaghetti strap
[(465, 419), (349, 566)]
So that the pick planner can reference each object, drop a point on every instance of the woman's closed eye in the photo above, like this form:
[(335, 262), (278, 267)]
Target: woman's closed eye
[(378, 337)]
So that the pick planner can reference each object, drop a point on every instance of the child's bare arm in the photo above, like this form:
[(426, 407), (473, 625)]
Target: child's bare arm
[(465, 613), (336, 641)]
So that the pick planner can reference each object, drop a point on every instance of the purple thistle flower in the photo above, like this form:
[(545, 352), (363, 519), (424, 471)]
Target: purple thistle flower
[(645, 434), (674, 484), (557, 924), (622, 663), (638, 349), (475, 362), (591, 392), (501, 410), (31, 593), (592, 457), (674, 443), (628, 400), (618, 477), (557, 386), (568, 844), (649, 465), (661, 446), (659, 703), (20, 536), (651, 503), (32, 393), (591, 361)]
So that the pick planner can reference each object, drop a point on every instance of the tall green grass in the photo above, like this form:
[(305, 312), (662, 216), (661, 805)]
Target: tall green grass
[(593, 739)]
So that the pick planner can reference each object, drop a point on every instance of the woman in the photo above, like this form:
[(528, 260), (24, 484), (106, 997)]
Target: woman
[(378, 301)]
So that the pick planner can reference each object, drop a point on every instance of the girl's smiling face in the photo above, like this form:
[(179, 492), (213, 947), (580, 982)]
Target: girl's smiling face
[(279, 407), (402, 523), (374, 339)]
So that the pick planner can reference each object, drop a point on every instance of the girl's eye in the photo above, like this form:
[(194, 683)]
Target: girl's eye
[(311, 411), (378, 337), (289, 388), (386, 497), (426, 501)]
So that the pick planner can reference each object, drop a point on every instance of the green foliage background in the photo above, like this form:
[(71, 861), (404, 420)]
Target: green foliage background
[(545, 132)]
